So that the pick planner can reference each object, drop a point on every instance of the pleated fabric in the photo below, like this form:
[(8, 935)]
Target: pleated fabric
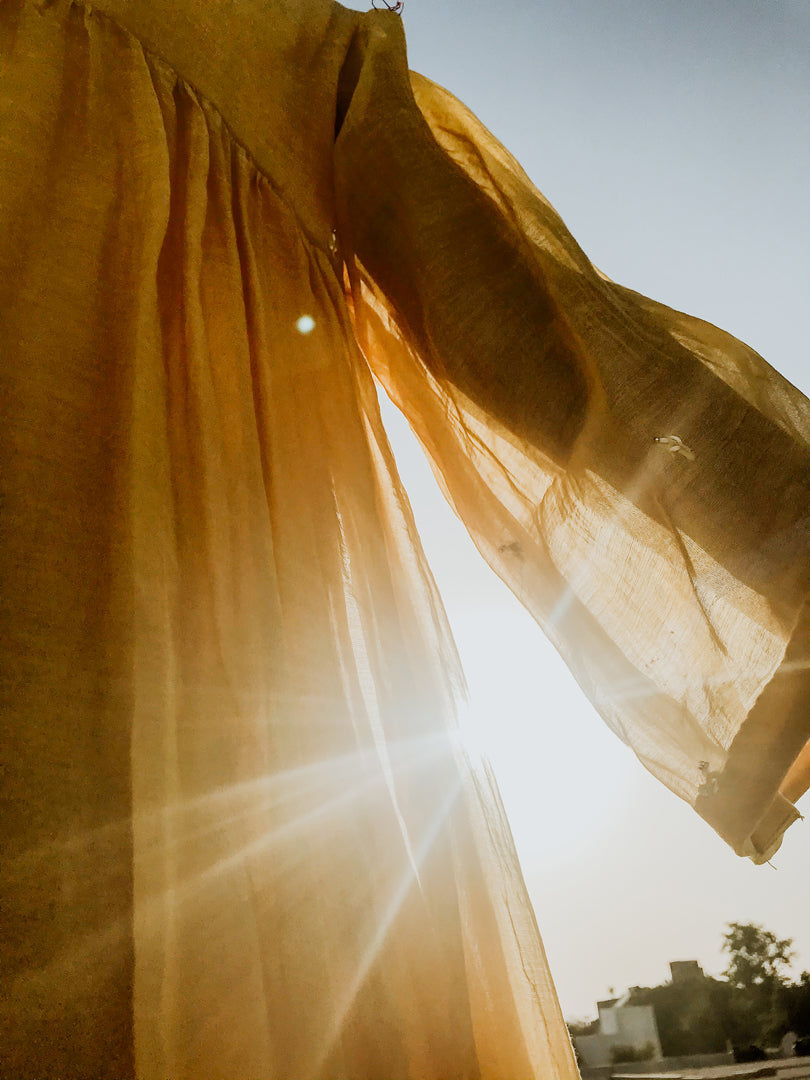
[(244, 839), (243, 835)]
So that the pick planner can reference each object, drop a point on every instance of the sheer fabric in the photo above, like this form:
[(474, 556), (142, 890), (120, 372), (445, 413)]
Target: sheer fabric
[(658, 527), (243, 836)]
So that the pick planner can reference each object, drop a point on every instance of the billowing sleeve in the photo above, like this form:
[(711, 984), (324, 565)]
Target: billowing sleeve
[(639, 478)]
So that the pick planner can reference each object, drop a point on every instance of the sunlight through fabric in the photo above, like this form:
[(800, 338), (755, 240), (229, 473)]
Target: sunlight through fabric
[(635, 527), (248, 834), (409, 879)]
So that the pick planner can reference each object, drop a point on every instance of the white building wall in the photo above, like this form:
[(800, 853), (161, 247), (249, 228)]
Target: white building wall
[(636, 1026), (594, 1050), (608, 1022), (622, 1025)]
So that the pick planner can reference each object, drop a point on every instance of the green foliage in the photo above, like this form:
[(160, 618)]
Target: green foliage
[(758, 960), (796, 1004), (689, 1016), (757, 957), (620, 1053), (754, 1005), (583, 1027)]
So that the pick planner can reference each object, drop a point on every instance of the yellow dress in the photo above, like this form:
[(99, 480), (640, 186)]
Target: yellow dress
[(243, 837)]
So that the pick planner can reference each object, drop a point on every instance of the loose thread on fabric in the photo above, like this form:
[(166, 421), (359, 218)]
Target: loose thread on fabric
[(675, 445)]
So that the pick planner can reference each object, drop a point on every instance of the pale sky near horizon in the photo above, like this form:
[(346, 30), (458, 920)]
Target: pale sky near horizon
[(674, 138)]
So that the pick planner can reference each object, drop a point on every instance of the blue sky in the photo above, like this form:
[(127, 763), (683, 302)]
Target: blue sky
[(674, 138)]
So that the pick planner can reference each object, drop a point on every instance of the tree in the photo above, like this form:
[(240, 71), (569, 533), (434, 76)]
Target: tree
[(796, 1001), (583, 1027), (753, 1004), (620, 1054), (757, 957), (752, 1007), (757, 966), (689, 1015)]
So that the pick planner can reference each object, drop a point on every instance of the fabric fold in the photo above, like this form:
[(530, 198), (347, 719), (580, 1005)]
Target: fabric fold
[(245, 835), (267, 853), (639, 478)]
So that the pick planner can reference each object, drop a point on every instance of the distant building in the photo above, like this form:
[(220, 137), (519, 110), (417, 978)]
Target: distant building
[(685, 971), (620, 1025)]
